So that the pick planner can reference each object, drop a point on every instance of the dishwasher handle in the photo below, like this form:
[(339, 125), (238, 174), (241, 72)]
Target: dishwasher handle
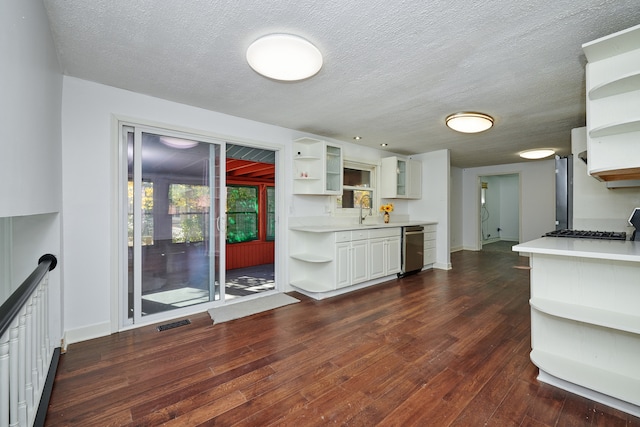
[(414, 229)]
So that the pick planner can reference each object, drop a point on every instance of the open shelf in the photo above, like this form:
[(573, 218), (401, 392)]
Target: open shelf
[(306, 257), (615, 128), (624, 84), (610, 383), (594, 316)]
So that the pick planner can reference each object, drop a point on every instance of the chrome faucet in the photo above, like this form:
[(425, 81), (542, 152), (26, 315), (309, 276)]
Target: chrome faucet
[(360, 217)]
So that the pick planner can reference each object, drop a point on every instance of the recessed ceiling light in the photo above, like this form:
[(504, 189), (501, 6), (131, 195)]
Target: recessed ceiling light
[(284, 57), (384, 144), (469, 122), (537, 154), (357, 138)]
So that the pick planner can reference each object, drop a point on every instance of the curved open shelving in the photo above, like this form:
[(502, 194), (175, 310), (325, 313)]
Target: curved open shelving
[(604, 381), (306, 257), (615, 128), (627, 83), (594, 316)]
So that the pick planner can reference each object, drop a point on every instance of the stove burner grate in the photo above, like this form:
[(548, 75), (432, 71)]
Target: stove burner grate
[(602, 235)]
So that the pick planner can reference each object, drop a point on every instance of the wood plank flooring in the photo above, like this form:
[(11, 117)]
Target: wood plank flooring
[(434, 349)]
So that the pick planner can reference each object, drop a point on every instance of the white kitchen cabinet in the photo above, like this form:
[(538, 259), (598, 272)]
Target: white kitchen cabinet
[(322, 262), (384, 252), (400, 178), (429, 244), (613, 106), (343, 264), (352, 257), (317, 167), (359, 261)]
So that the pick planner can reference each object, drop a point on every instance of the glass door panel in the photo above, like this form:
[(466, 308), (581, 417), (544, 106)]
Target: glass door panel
[(173, 201), (333, 168), (402, 178)]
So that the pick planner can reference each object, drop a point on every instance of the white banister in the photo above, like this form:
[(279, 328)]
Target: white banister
[(26, 355), (4, 385)]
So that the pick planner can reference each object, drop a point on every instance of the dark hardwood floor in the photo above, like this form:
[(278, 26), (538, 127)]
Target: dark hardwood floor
[(434, 349)]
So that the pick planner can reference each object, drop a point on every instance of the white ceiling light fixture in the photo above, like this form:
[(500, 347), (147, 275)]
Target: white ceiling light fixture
[(179, 143), (537, 154), (284, 57), (469, 122)]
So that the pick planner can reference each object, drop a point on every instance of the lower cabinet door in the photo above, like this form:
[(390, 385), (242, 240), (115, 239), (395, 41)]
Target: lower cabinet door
[(343, 262), (377, 249), (359, 261), (393, 255)]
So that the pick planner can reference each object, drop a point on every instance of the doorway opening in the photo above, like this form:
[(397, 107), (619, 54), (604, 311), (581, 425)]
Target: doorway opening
[(499, 212), (250, 213)]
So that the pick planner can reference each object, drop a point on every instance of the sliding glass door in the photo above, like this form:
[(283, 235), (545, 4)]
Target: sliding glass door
[(174, 241)]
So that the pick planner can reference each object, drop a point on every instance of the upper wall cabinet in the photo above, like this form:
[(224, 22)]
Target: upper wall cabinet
[(317, 167), (400, 178), (613, 106)]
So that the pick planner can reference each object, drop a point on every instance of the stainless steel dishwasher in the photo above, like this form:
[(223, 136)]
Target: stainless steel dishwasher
[(412, 249)]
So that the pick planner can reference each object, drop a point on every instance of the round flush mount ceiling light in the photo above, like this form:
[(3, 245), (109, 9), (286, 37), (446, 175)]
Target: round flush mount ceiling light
[(179, 143), (537, 154), (284, 57), (469, 122)]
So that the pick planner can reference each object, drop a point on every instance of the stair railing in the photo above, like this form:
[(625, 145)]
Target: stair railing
[(28, 360)]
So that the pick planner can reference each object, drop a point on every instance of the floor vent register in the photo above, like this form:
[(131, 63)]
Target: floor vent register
[(173, 325)]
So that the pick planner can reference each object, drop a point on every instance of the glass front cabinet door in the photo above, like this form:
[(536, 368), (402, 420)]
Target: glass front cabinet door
[(401, 178)]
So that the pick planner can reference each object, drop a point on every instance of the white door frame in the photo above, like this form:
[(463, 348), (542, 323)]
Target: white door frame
[(119, 156)]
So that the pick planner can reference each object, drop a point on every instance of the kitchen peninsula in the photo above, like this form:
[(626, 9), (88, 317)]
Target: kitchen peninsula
[(331, 259), (585, 317)]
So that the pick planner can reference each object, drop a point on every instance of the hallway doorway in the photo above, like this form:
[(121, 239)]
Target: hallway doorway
[(499, 211)]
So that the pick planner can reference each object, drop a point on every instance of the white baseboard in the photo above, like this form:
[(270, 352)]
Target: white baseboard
[(442, 265), (86, 333)]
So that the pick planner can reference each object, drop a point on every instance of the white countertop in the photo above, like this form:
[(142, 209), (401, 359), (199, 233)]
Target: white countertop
[(586, 248), (328, 228)]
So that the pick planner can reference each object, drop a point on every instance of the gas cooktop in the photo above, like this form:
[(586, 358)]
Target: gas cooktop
[(602, 235)]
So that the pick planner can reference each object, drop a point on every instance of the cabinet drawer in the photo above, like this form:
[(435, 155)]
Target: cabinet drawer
[(343, 236), (430, 227), (429, 244), (429, 256), (431, 235), (384, 232), (359, 234)]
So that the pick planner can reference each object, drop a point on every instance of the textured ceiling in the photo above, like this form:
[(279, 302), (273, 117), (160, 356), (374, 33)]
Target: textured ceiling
[(393, 70)]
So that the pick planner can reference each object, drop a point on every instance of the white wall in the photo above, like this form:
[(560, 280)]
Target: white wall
[(537, 209), (434, 204), (29, 112), (594, 206), (509, 207), (456, 210), (30, 143), (89, 158)]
